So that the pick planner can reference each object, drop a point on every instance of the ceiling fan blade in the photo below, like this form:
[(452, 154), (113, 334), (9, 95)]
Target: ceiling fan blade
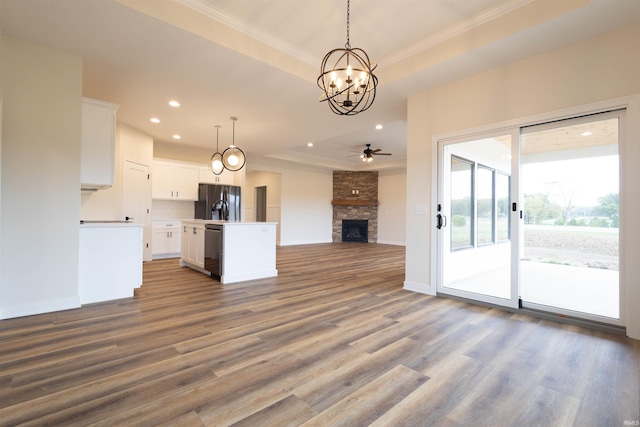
[(376, 150), (383, 154)]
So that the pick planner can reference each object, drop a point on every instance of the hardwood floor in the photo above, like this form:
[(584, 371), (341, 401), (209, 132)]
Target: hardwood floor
[(333, 340)]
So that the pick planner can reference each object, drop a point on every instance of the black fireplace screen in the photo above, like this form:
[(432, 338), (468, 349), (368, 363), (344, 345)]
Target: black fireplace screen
[(355, 230)]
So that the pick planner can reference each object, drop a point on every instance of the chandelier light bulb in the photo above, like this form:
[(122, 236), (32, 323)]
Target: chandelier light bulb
[(216, 165), (233, 160)]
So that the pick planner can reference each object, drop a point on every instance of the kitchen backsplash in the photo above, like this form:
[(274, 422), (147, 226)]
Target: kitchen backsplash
[(171, 209)]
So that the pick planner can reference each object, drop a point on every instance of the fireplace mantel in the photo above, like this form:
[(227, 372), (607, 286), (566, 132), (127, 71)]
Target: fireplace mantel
[(354, 202)]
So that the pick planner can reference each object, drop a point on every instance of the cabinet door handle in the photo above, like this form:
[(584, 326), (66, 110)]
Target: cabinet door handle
[(194, 230), (184, 229)]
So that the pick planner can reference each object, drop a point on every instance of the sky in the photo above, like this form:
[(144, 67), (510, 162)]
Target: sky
[(588, 178)]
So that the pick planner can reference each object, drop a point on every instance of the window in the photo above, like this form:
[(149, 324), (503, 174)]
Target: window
[(462, 218)]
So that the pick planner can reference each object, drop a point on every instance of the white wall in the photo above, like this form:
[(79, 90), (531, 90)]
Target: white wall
[(305, 202), (40, 193), (392, 208), (604, 68), (107, 204)]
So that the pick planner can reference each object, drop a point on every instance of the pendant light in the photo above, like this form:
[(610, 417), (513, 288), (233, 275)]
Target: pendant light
[(233, 158), (347, 80), (215, 164)]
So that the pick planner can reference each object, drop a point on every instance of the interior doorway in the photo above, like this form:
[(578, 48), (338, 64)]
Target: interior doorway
[(261, 203)]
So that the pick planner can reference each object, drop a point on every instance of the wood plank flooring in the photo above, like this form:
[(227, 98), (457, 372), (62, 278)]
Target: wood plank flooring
[(332, 341)]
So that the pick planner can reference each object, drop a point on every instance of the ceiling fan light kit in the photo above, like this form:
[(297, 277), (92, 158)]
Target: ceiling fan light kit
[(368, 154), (347, 79)]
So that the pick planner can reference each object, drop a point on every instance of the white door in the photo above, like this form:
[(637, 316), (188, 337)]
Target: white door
[(136, 201)]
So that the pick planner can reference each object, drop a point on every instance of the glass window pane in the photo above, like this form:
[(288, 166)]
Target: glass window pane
[(503, 184), (485, 205), (570, 184), (461, 203)]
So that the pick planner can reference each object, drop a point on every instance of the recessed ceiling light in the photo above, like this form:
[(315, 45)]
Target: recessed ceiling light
[(155, 120), (176, 136), (378, 127), (309, 144), (174, 103), (587, 133)]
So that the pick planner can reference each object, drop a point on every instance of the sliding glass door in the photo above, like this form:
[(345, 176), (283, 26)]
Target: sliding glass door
[(474, 220), (529, 217), (570, 258)]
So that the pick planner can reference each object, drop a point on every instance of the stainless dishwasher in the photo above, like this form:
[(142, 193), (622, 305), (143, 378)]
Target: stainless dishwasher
[(213, 249)]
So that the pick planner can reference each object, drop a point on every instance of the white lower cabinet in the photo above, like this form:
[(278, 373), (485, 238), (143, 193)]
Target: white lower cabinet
[(166, 239), (193, 244)]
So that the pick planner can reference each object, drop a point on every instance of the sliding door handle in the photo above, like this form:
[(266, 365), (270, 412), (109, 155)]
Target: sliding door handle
[(442, 221)]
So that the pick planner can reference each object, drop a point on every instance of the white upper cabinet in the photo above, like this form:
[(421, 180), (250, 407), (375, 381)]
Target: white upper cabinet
[(97, 144), (207, 177), (174, 181)]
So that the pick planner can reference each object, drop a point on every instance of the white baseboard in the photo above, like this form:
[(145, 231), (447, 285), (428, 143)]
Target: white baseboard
[(391, 242), (227, 279), (40, 308), (304, 242), (422, 288)]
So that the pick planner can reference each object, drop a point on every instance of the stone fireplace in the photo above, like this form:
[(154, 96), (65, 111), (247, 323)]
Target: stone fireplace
[(355, 198)]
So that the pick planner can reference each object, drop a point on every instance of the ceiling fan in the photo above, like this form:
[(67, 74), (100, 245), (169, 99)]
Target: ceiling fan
[(368, 153)]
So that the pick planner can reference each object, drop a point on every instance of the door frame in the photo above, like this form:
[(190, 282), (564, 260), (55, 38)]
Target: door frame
[(146, 230), (629, 269)]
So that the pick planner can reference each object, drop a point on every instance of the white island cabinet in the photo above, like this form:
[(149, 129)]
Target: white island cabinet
[(110, 261), (247, 250)]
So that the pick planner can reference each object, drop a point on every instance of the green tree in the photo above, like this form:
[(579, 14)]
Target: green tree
[(538, 208), (609, 207)]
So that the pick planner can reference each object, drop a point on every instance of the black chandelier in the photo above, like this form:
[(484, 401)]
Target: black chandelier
[(233, 158), (347, 79)]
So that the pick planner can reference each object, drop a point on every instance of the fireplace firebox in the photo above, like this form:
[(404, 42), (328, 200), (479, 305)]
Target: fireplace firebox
[(355, 230)]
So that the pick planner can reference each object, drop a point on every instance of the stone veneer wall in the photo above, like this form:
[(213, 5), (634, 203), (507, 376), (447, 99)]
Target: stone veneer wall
[(366, 185)]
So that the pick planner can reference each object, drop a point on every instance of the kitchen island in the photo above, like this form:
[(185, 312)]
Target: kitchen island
[(229, 251)]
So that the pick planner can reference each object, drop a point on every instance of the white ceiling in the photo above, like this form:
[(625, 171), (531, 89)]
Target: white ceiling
[(259, 60)]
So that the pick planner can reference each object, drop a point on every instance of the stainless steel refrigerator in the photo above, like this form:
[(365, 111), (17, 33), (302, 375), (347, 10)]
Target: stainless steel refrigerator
[(221, 202)]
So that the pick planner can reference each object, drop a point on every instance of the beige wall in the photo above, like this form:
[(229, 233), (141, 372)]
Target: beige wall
[(392, 208), (305, 201), (274, 193), (594, 71), (40, 193)]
